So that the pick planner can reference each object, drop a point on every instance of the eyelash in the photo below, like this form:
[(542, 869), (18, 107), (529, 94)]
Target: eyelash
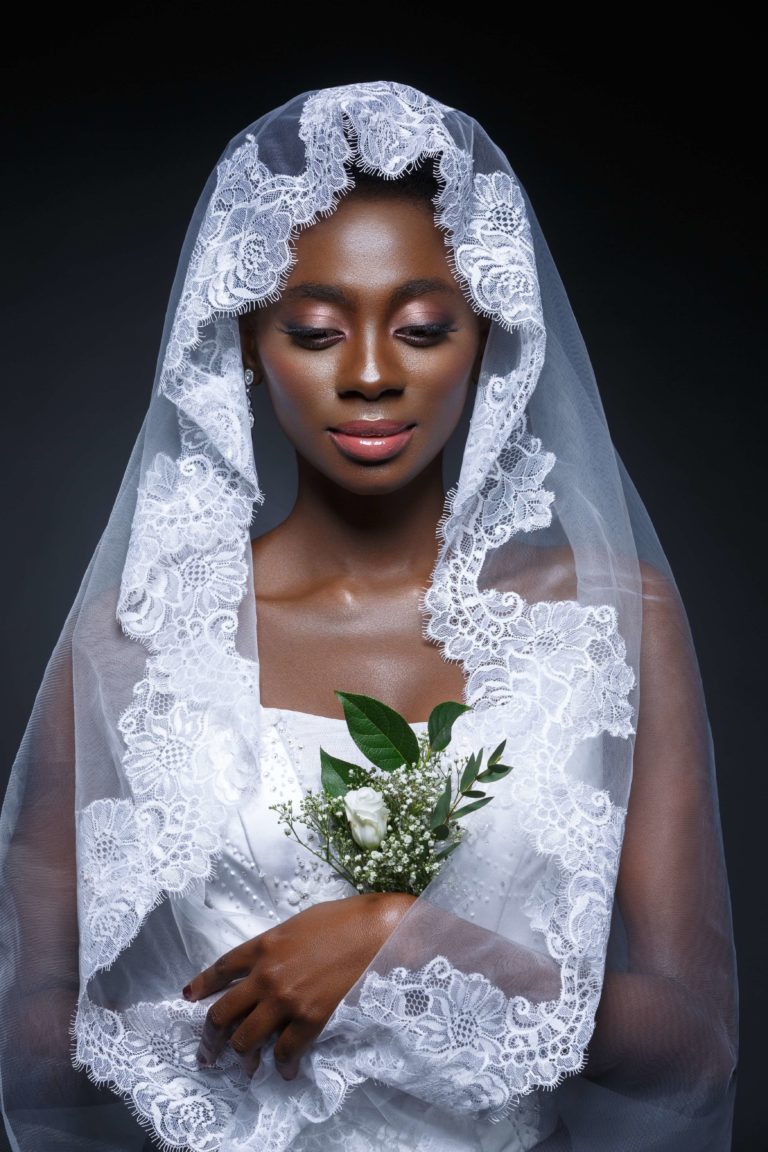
[(417, 335)]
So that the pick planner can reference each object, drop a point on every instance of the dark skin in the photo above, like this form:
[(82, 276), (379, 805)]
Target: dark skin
[(371, 324), (338, 585)]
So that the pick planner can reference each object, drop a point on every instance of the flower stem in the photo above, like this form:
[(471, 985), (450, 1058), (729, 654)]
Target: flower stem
[(338, 868)]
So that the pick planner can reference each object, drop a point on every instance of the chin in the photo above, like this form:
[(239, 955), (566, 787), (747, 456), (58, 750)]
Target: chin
[(374, 482), (383, 478)]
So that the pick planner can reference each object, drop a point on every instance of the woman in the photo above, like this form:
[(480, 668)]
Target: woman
[(363, 270)]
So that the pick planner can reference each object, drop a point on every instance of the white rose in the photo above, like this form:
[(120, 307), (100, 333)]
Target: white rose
[(368, 815)]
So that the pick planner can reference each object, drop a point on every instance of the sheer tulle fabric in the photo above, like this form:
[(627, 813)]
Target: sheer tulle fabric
[(568, 981)]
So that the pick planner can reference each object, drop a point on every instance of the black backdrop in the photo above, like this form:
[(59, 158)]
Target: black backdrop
[(638, 149)]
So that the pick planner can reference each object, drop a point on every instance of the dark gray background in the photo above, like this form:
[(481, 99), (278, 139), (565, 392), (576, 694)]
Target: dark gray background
[(638, 150)]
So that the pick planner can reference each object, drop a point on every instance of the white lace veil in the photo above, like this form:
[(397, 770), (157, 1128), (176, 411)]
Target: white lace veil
[(474, 1027)]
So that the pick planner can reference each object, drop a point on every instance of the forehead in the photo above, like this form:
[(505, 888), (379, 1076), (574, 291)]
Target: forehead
[(369, 242)]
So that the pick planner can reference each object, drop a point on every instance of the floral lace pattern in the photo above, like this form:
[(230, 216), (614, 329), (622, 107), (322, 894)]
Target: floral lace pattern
[(479, 1049), (548, 675), (148, 1054)]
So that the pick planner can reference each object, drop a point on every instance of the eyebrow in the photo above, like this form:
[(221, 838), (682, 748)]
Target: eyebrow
[(331, 294)]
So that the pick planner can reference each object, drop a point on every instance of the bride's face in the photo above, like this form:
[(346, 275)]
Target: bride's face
[(370, 350)]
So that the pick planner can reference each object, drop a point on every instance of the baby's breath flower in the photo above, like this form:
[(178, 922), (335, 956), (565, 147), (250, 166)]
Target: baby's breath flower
[(404, 856)]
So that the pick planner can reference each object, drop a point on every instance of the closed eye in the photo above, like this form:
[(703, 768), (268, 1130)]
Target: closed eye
[(425, 335), (306, 336), (417, 335)]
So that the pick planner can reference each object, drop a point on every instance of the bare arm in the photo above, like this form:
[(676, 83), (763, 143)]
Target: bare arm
[(672, 1016), (40, 902)]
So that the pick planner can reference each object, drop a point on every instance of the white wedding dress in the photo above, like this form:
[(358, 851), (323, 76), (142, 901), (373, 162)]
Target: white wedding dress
[(136, 839), (262, 878)]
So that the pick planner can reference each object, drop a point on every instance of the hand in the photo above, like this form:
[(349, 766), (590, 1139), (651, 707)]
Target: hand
[(292, 977)]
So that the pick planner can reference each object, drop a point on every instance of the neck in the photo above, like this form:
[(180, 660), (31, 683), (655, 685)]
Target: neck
[(378, 535)]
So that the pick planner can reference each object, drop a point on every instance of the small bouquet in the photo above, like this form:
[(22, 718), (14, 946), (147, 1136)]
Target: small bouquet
[(391, 825)]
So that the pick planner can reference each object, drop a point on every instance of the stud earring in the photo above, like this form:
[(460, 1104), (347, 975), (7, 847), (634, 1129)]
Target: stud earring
[(248, 377)]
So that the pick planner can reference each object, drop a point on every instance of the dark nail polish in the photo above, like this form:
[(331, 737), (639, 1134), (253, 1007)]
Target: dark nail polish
[(187, 991)]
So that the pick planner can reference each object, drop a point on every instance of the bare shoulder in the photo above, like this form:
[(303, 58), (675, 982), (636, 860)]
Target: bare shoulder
[(666, 630), (533, 572), (549, 574), (658, 587)]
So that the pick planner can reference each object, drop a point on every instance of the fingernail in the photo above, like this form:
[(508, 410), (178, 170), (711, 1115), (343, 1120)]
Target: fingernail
[(187, 991)]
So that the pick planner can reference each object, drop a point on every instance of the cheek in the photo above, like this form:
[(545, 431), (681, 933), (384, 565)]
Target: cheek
[(296, 384), (448, 384)]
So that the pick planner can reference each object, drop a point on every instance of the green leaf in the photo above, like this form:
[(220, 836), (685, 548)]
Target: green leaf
[(335, 774), (447, 851), (491, 775), (465, 811), (440, 811), (380, 733), (473, 794), (441, 721), (471, 769), (442, 832), (495, 756)]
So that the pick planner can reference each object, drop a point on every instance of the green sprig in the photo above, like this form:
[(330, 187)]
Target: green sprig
[(425, 800)]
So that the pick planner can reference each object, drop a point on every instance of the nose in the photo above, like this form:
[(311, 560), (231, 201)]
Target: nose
[(371, 367)]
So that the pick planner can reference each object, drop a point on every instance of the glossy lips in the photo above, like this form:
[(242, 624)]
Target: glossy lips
[(371, 440)]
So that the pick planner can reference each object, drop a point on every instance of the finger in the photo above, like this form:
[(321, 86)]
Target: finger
[(224, 1016), (292, 1043), (231, 966), (254, 1032)]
